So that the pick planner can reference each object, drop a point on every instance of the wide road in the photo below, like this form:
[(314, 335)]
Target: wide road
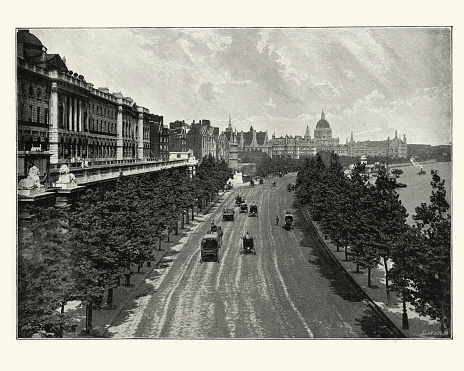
[(289, 289)]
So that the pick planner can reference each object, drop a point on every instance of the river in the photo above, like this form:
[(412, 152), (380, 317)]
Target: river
[(418, 188)]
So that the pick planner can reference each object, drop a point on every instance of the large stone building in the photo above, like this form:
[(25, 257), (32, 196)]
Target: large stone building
[(60, 113), (253, 141), (323, 140), (201, 139), (178, 136), (396, 147)]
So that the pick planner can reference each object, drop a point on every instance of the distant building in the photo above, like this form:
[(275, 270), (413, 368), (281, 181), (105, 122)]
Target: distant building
[(159, 138), (178, 136), (297, 146), (231, 136), (201, 140), (253, 141), (396, 147)]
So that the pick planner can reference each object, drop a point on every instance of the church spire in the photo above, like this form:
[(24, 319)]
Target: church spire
[(322, 115)]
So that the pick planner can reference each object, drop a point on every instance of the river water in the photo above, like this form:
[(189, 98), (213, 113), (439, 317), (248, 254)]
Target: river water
[(418, 188)]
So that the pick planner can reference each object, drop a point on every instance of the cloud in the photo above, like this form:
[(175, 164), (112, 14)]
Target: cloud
[(270, 103)]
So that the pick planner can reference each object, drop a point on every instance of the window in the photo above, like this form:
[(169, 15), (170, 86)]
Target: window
[(38, 115), (31, 90), (30, 113)]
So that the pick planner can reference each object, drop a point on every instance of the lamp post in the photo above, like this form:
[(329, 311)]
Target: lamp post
[(405, 316)]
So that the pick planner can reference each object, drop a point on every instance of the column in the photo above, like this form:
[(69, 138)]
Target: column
[(65, 111), (53, 139), (70, 112), (140, 134), (79, 127), (74, 127), (119, 141)]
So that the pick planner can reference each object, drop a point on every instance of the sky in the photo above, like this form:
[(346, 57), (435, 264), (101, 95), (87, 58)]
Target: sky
[(370, 81)]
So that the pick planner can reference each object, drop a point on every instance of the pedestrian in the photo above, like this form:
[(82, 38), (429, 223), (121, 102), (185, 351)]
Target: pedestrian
[(277, 219)]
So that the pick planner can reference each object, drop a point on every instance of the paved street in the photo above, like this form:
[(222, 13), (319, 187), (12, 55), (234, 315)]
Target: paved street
[(289, 289)]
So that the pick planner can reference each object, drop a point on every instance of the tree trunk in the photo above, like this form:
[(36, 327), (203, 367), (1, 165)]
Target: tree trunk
[(193, 212), (177, 227), (357, 268), (109, 299), (368, 276), (139, 266), (182, 220), (88, 318), (61, 320), (386, 275), (187, 221), (346, 252)]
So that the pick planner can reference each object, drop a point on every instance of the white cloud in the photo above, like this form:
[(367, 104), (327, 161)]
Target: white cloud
[(270, 103)]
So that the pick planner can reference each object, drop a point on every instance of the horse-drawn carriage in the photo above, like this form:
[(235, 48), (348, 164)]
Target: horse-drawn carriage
[(253, 210), (243, 208), (273, 184), (239, 200), (216, 229), (248, 246), (261, 181), (288, 221), (252, 183), (210, 244), (228, 214)]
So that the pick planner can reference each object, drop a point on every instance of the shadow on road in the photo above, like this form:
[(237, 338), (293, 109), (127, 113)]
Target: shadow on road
[(372, 325), (338, 279)]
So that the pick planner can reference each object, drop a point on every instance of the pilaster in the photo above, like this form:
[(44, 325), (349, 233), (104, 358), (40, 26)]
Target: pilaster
[(53, 139), (119, 141), (140, 133)]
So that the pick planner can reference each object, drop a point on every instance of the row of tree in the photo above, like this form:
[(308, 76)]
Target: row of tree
[(369, 222), (83, 252), (277, 166)]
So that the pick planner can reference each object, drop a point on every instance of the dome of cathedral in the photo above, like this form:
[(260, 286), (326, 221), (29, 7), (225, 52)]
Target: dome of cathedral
[(322, 124)]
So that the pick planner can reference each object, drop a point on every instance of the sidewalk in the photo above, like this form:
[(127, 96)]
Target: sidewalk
[(389, 305), (124, 295)]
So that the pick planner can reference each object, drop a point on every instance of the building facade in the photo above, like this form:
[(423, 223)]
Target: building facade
[(395, 148), (253, 141), (178, 136), (201, 140), (59, 112)]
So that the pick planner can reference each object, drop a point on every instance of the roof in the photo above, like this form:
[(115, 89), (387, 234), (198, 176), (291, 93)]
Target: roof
[(260, 137), (322, 124), (210, 236)]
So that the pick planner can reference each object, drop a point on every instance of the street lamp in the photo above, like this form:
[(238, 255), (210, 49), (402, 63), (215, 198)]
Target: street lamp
[(405, 316)]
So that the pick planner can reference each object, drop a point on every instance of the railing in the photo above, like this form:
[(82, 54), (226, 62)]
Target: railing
[(103, 172)]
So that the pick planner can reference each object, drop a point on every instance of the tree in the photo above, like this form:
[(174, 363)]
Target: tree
[(44, 283), (431, 287), (96, 251)]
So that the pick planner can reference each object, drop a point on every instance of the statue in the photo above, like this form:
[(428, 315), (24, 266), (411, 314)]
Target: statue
[(66, 179), (32, 181)]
